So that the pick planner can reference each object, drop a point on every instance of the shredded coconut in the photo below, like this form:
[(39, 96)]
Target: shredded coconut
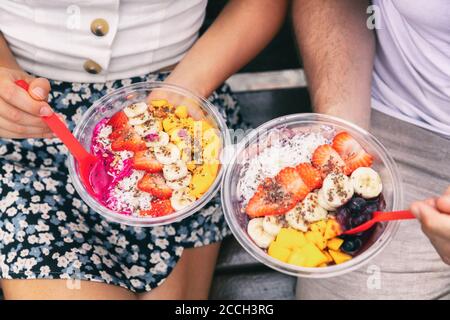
[(103, 136), (126, 198), (281, 153)]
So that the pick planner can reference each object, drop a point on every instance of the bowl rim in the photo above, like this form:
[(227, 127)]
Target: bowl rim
[(209, 109), (329, 271)]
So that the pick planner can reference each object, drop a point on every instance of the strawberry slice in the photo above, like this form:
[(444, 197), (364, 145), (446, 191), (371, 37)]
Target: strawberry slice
[(351, 152), (270, 199), (159, 208), (327, 160), (290, 179), (310, 175), (118, 121), (144, 160), (117, 133), (155, 184), (362, 159), (128, 140)]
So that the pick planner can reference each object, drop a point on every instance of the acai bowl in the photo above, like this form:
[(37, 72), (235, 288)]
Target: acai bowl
[(297, 182), (160, 145)]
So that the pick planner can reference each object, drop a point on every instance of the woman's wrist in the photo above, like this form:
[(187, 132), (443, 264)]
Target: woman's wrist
[(192, 84)]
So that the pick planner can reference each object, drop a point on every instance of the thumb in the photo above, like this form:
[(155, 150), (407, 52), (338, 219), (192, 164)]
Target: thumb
[(443, 203), (39, 89)]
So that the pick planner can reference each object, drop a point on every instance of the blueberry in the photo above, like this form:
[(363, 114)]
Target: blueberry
[(356, 205), (343, 217), (371, 208), (358, 220), (381, 203), (351, 245), (368, 215)]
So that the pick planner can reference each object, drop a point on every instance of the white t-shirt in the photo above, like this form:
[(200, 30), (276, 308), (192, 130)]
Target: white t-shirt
[(54, 38), (412, 66)]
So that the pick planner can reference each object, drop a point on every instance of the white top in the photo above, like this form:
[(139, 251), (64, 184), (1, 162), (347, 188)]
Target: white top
[(412, 66), (53, 38)]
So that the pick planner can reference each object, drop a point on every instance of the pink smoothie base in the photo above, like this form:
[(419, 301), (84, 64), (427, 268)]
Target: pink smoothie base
[(105, 183)]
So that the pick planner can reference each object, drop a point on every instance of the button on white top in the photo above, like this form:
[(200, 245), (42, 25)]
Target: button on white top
[(99, 27)]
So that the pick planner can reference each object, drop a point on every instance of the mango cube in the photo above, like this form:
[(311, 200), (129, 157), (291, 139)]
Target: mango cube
[(335, 243), (202, 178), (319, 226), (181, 112), (297, 258), (313, 255), (170, 122), (291, 238), (329, 257), (279, 252), (211, 154), (339, 257), (322, 265), (316, 238), (332, 230), (159, 103)]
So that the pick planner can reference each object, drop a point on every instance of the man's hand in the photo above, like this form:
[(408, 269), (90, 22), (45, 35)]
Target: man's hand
[(21, 111), (434, 215)]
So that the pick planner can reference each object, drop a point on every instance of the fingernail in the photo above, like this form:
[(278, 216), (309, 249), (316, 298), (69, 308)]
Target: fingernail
[(45, 111), (39, 92)]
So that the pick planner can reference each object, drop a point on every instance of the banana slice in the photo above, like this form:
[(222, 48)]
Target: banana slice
[(151, 126), (337, 189), (135, 109), (312, 211), (139, 119), (180, 183), (366, 182), (256, 231), (295, 219), (157, 139), (273, 224), (167, 154), (181, 198), (323, 202), (175, 171)]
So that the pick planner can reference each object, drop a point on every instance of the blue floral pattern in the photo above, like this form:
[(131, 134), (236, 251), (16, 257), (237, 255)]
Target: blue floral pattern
[(48, 232)]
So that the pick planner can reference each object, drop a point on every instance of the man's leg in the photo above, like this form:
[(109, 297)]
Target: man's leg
[(409, 267)]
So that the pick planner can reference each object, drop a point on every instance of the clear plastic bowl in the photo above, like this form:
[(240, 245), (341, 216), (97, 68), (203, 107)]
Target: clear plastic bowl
[(117, 100), (383, 164)]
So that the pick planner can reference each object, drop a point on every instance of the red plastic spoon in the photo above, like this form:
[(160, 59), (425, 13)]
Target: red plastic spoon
[(92, 171), (379, 216)]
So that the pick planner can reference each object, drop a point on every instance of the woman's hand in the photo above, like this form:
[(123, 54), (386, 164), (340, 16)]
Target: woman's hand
[(20, 111), (434, 215)]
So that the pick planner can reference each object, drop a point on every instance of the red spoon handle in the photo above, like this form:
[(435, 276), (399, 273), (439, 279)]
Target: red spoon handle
[(395, 215), (60, 129)]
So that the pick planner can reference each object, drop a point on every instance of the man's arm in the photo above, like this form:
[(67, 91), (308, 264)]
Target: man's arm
[(337, 50), (241, 31)]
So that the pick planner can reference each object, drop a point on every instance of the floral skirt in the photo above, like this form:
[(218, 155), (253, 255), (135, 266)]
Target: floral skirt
[(47, 232)]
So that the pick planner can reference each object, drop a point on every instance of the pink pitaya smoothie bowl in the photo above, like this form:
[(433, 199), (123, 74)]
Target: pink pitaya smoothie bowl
[(88, 128)]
